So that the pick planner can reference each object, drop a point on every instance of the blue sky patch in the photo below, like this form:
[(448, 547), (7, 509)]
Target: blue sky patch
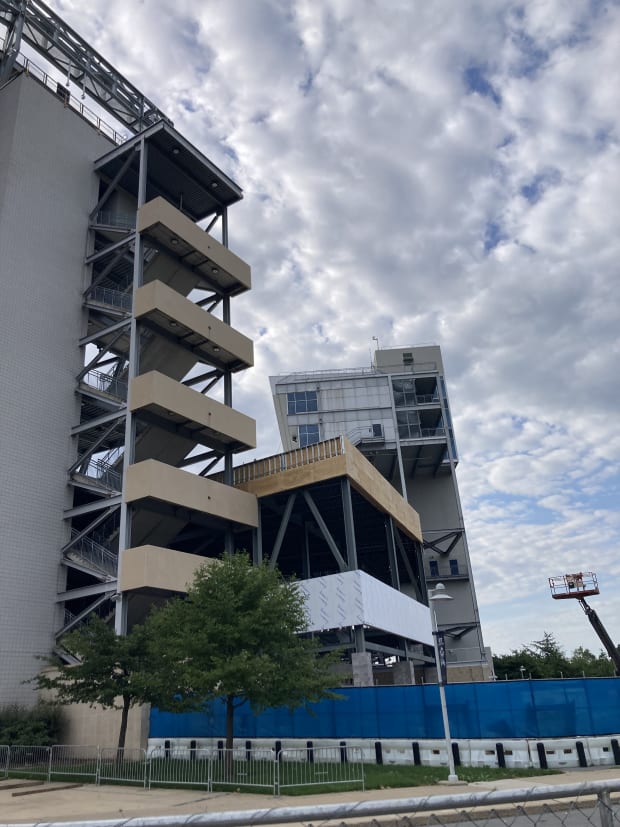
[(475, 81)]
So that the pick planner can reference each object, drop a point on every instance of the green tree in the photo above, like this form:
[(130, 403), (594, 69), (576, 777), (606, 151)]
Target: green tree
[(109, 668), (545, 658), (237, 636)]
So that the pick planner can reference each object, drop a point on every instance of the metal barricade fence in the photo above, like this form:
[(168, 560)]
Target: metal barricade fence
[(314, 766), (29, 761), (180, 765), (126, 765), (4, 760), (240, 767), (71, 762)]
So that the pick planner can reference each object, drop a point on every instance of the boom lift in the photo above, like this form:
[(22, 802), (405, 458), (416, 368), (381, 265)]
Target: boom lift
[(580, 585)]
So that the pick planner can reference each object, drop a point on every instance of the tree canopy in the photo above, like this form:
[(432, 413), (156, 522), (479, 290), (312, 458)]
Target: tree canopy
[(237, 636), (109, 667), (545, 658)]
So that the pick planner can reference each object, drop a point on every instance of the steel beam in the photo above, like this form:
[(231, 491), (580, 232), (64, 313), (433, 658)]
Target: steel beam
[(325, 531), (393, 562), (349, 524), (90, 507), (86, 340), (112, 248), (86, 591), (95, 423), (83, 614), (282, 529)]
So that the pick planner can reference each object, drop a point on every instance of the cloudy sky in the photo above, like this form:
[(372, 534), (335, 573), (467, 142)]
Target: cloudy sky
[(442, 172)]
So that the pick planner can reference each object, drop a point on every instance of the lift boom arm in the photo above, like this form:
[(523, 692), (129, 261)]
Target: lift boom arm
[(601, 631)]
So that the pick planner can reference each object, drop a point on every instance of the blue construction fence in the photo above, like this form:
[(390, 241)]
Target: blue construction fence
[(502, 709)]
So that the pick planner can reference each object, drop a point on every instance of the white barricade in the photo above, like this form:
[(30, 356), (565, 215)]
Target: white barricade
[(599, 751), (482, 753), (559, 752), (394, 752)]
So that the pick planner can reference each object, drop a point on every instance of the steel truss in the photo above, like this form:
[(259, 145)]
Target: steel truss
[(49, 35)]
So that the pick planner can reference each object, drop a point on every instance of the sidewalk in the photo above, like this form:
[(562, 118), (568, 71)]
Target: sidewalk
[(91, 802)]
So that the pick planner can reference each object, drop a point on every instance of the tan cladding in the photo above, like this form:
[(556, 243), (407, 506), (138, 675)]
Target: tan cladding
[(157, 297), (156, 480), (160, 569), (160, 212), (176, 404), (363, 476)]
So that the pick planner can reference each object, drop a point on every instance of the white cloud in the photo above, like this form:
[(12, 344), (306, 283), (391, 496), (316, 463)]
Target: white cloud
[(379, 150)]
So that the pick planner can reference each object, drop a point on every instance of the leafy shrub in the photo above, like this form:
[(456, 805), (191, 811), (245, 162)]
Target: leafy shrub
[(38, 725)]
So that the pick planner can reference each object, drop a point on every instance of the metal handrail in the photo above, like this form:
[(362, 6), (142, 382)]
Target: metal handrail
[(31, 68), (98, 555), (108, 218), (106, 383), (114, 298)]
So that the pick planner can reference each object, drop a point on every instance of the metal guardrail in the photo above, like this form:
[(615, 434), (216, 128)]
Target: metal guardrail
[(31, 68), (105, 383), (124, 221), (127, 765), (110, 297), (96, 554), (210, 768), (320, 765)]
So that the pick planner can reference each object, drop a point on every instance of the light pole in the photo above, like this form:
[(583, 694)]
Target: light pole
[(439, 594)]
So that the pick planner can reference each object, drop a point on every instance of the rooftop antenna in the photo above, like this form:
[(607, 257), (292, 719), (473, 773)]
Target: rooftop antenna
[(580, 585)]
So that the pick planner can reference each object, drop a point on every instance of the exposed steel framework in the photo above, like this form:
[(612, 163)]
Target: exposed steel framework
[(37, 25)]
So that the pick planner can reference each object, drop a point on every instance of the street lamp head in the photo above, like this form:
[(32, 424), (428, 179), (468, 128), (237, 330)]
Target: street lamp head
[(438, 593)]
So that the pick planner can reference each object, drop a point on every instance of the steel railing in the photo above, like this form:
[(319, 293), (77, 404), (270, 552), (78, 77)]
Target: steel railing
[(93, 552), (210, 767), (110, 297), (108, 218), (31, 68), (106, 383)]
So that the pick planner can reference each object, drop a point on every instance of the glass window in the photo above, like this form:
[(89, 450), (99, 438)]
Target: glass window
[(302, 402), (308, 435), (404, 393), (434, 568), (407, 358), (454, 566), (408, 424)]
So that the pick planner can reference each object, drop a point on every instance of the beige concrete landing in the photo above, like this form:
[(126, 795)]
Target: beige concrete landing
[(197, 250), (158, 569), (173, 406), (153, 480), (208, 338)]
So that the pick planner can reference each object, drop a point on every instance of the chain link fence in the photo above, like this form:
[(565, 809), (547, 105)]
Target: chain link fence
[(595, 803)]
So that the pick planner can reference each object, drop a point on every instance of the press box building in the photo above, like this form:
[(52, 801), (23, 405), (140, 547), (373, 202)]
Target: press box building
[(397, 414)]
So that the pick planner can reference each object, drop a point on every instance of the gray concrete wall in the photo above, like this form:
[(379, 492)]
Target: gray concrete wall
[(47, 188)]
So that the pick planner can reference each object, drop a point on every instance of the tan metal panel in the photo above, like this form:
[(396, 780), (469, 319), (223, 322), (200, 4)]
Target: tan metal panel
[(156, 480), (168, 309), (201, 252), (176, 405), (161, 569)]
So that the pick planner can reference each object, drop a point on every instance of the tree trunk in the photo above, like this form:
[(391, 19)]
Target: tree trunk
[(123, 730)]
